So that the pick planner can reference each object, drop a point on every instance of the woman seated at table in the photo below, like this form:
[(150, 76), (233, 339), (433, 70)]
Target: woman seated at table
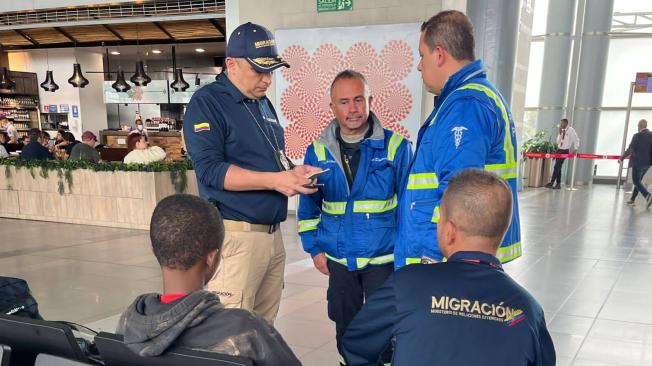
[(141, 152)]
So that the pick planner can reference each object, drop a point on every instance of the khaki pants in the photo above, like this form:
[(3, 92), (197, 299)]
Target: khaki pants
[(250, 272)]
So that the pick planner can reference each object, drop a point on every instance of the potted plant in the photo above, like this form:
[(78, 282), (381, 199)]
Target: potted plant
[(537, 169)]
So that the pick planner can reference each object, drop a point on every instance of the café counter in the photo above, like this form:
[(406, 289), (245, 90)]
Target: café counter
[(168, 141)]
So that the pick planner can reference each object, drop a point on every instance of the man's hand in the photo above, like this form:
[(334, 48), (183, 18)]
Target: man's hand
[(292, 182), (306, 170), (320, 263)]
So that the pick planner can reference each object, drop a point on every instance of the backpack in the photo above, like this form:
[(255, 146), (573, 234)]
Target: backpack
[(16, 298)]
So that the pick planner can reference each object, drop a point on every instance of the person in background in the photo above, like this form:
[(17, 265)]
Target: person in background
[(3, 149), (566, 139), (60, 141), (640, 150), (45, 141), (86, 149), (465, 311), (187, 234), (35, 150), (70, 143), (140, 127), (12, 132), (141, 152)]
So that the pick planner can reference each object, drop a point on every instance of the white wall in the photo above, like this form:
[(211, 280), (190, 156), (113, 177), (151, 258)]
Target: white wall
[(92, 111)]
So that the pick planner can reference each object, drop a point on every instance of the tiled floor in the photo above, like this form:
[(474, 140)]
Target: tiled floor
[(587, 259)]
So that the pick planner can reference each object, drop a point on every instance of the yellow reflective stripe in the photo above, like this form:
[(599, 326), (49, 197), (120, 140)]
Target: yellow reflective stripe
[(509, 253), (340, 261), (384, 259), (320, 151), (435, 215), (333, 208), (394, 143), (423, 181), (308, 225), (412, 261), (363, 262), (507, 143), (377, 206), (505, 171)]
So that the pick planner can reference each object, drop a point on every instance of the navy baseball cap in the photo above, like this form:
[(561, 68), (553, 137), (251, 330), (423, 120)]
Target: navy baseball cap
[(257, 45)]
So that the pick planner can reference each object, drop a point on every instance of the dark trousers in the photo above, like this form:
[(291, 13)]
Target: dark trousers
[(638, 172), (347, 292), (559, 162)]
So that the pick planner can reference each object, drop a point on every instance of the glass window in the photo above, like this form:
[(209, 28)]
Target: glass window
[(626, 57), (535, 70), (540, 17)]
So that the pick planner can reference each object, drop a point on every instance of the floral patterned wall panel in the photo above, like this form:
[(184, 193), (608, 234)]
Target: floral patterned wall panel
[(387, 55)]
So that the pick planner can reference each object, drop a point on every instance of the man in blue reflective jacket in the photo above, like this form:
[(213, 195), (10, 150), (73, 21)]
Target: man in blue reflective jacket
[(470, 127), (348, 226), (465, 311)]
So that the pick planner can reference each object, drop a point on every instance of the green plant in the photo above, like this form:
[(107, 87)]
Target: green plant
[(539, 144), (178, 169)]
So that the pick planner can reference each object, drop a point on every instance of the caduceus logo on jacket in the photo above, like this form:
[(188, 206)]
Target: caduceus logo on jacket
[(458, 131)]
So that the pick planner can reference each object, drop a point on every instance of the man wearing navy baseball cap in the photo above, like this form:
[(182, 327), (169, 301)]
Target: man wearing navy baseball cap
[(237, 147)]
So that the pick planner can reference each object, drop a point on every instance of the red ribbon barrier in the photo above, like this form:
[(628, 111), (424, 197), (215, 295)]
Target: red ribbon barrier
[(570, 156)]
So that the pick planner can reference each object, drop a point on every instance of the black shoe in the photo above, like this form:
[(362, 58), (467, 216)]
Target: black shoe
[(557, 187), (549, 185)]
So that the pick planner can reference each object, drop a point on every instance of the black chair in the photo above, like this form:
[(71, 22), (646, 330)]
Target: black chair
[(5, 354), (49, 360), (29, 337), (115, 353)]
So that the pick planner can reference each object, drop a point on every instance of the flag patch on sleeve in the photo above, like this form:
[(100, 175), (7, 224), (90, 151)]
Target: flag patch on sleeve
[(204, 126)]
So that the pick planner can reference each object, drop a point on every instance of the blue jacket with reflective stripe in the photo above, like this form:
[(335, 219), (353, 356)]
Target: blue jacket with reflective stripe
[(357, 226), (470, 127)]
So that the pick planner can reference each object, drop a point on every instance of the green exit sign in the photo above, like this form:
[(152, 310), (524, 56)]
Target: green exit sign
[(334, 5)]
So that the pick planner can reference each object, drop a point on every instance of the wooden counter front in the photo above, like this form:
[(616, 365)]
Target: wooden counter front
[(168, 141)]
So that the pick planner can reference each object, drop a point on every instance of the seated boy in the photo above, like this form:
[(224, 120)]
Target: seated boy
[(187, 234)]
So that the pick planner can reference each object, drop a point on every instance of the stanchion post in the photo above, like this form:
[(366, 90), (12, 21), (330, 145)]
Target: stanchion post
[(572, 182), (622, 149)]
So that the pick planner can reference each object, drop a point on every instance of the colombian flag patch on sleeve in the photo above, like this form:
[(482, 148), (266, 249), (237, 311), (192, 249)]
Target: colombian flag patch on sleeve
[(204, 126)]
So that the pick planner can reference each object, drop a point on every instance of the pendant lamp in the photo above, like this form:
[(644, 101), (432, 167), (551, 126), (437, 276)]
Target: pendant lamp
[(120, 84), (140, 77), (77, 79), (179, 84), (197, 81), (49, 84), (5, 82)]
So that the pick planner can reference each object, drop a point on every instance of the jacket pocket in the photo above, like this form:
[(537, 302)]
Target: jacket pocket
[(421, 211)]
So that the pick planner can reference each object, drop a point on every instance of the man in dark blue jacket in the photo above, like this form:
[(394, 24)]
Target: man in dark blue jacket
[(34, 150), (236, 144), (640, 150), (465, 311)]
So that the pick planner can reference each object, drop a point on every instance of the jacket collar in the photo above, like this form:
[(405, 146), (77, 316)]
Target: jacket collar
[(473, 70), (376, 140), (476, 257)]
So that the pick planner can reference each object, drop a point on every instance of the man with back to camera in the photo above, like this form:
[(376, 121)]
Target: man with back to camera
[(566, 139), (465, 311), (86, 149), (187, 235), (470, 127), (237, 148), (348, 226), (640, 150)]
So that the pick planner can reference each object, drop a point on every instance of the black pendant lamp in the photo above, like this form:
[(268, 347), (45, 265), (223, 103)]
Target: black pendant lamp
[(120, 84), (140, 77), (197, 81), (5, 82), (179, 84), (49, 84), (77, 79)]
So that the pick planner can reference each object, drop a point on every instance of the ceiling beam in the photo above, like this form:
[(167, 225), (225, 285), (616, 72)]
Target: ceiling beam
[(65, 34), (159, 26), (113, 31), (30, 39), (112, 43), (216, 23)]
